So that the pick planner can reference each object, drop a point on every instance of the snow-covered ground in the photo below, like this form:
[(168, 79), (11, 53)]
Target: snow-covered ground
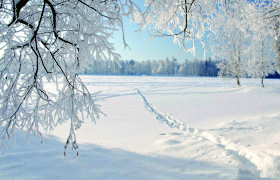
[(162, 128)]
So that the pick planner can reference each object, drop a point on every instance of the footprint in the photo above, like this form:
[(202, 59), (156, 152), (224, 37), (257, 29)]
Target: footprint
[(172, 142)]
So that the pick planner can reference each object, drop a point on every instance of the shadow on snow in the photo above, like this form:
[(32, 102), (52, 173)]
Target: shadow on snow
[(35, 161)]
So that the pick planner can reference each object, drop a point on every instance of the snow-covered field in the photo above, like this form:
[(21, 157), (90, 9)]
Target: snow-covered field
[(162, 128)]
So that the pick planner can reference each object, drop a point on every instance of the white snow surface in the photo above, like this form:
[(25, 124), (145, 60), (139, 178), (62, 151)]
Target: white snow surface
[(161, 128)]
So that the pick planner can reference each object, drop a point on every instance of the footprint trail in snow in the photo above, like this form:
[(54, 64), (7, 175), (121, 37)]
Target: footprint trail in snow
[(251, 163)]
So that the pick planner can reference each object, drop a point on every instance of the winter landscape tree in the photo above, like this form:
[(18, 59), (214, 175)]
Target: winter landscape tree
[(52, 41), (230, 40), (273, 14), (261, 57)]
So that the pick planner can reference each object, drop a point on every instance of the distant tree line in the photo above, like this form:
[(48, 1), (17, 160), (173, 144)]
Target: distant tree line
[(168, 66)]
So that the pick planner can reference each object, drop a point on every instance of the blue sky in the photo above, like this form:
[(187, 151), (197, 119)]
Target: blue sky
[(141, 48)]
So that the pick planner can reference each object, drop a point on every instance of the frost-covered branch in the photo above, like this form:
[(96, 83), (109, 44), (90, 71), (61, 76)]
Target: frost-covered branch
[(52, 41), (183, 20)]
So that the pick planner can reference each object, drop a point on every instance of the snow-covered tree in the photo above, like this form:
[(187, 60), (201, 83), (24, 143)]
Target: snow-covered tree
[(161, 68), (167, 66), (273, 14), (148, 67), (52, 41), (183, 70), (230, 40), (261, 60), (174, 66)]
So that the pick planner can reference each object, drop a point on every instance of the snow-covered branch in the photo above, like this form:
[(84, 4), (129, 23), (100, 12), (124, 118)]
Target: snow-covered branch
[(43, 40)]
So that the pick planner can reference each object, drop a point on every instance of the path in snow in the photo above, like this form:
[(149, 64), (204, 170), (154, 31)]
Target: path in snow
[(256, 164)]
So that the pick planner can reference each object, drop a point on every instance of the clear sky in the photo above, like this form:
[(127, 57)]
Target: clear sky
[(141, 48)]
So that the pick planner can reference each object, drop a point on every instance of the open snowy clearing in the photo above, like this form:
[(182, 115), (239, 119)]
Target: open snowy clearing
[(162, 128)]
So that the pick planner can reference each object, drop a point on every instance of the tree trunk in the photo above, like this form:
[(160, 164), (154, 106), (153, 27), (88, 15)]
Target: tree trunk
[(238, 81), (263, 71)]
